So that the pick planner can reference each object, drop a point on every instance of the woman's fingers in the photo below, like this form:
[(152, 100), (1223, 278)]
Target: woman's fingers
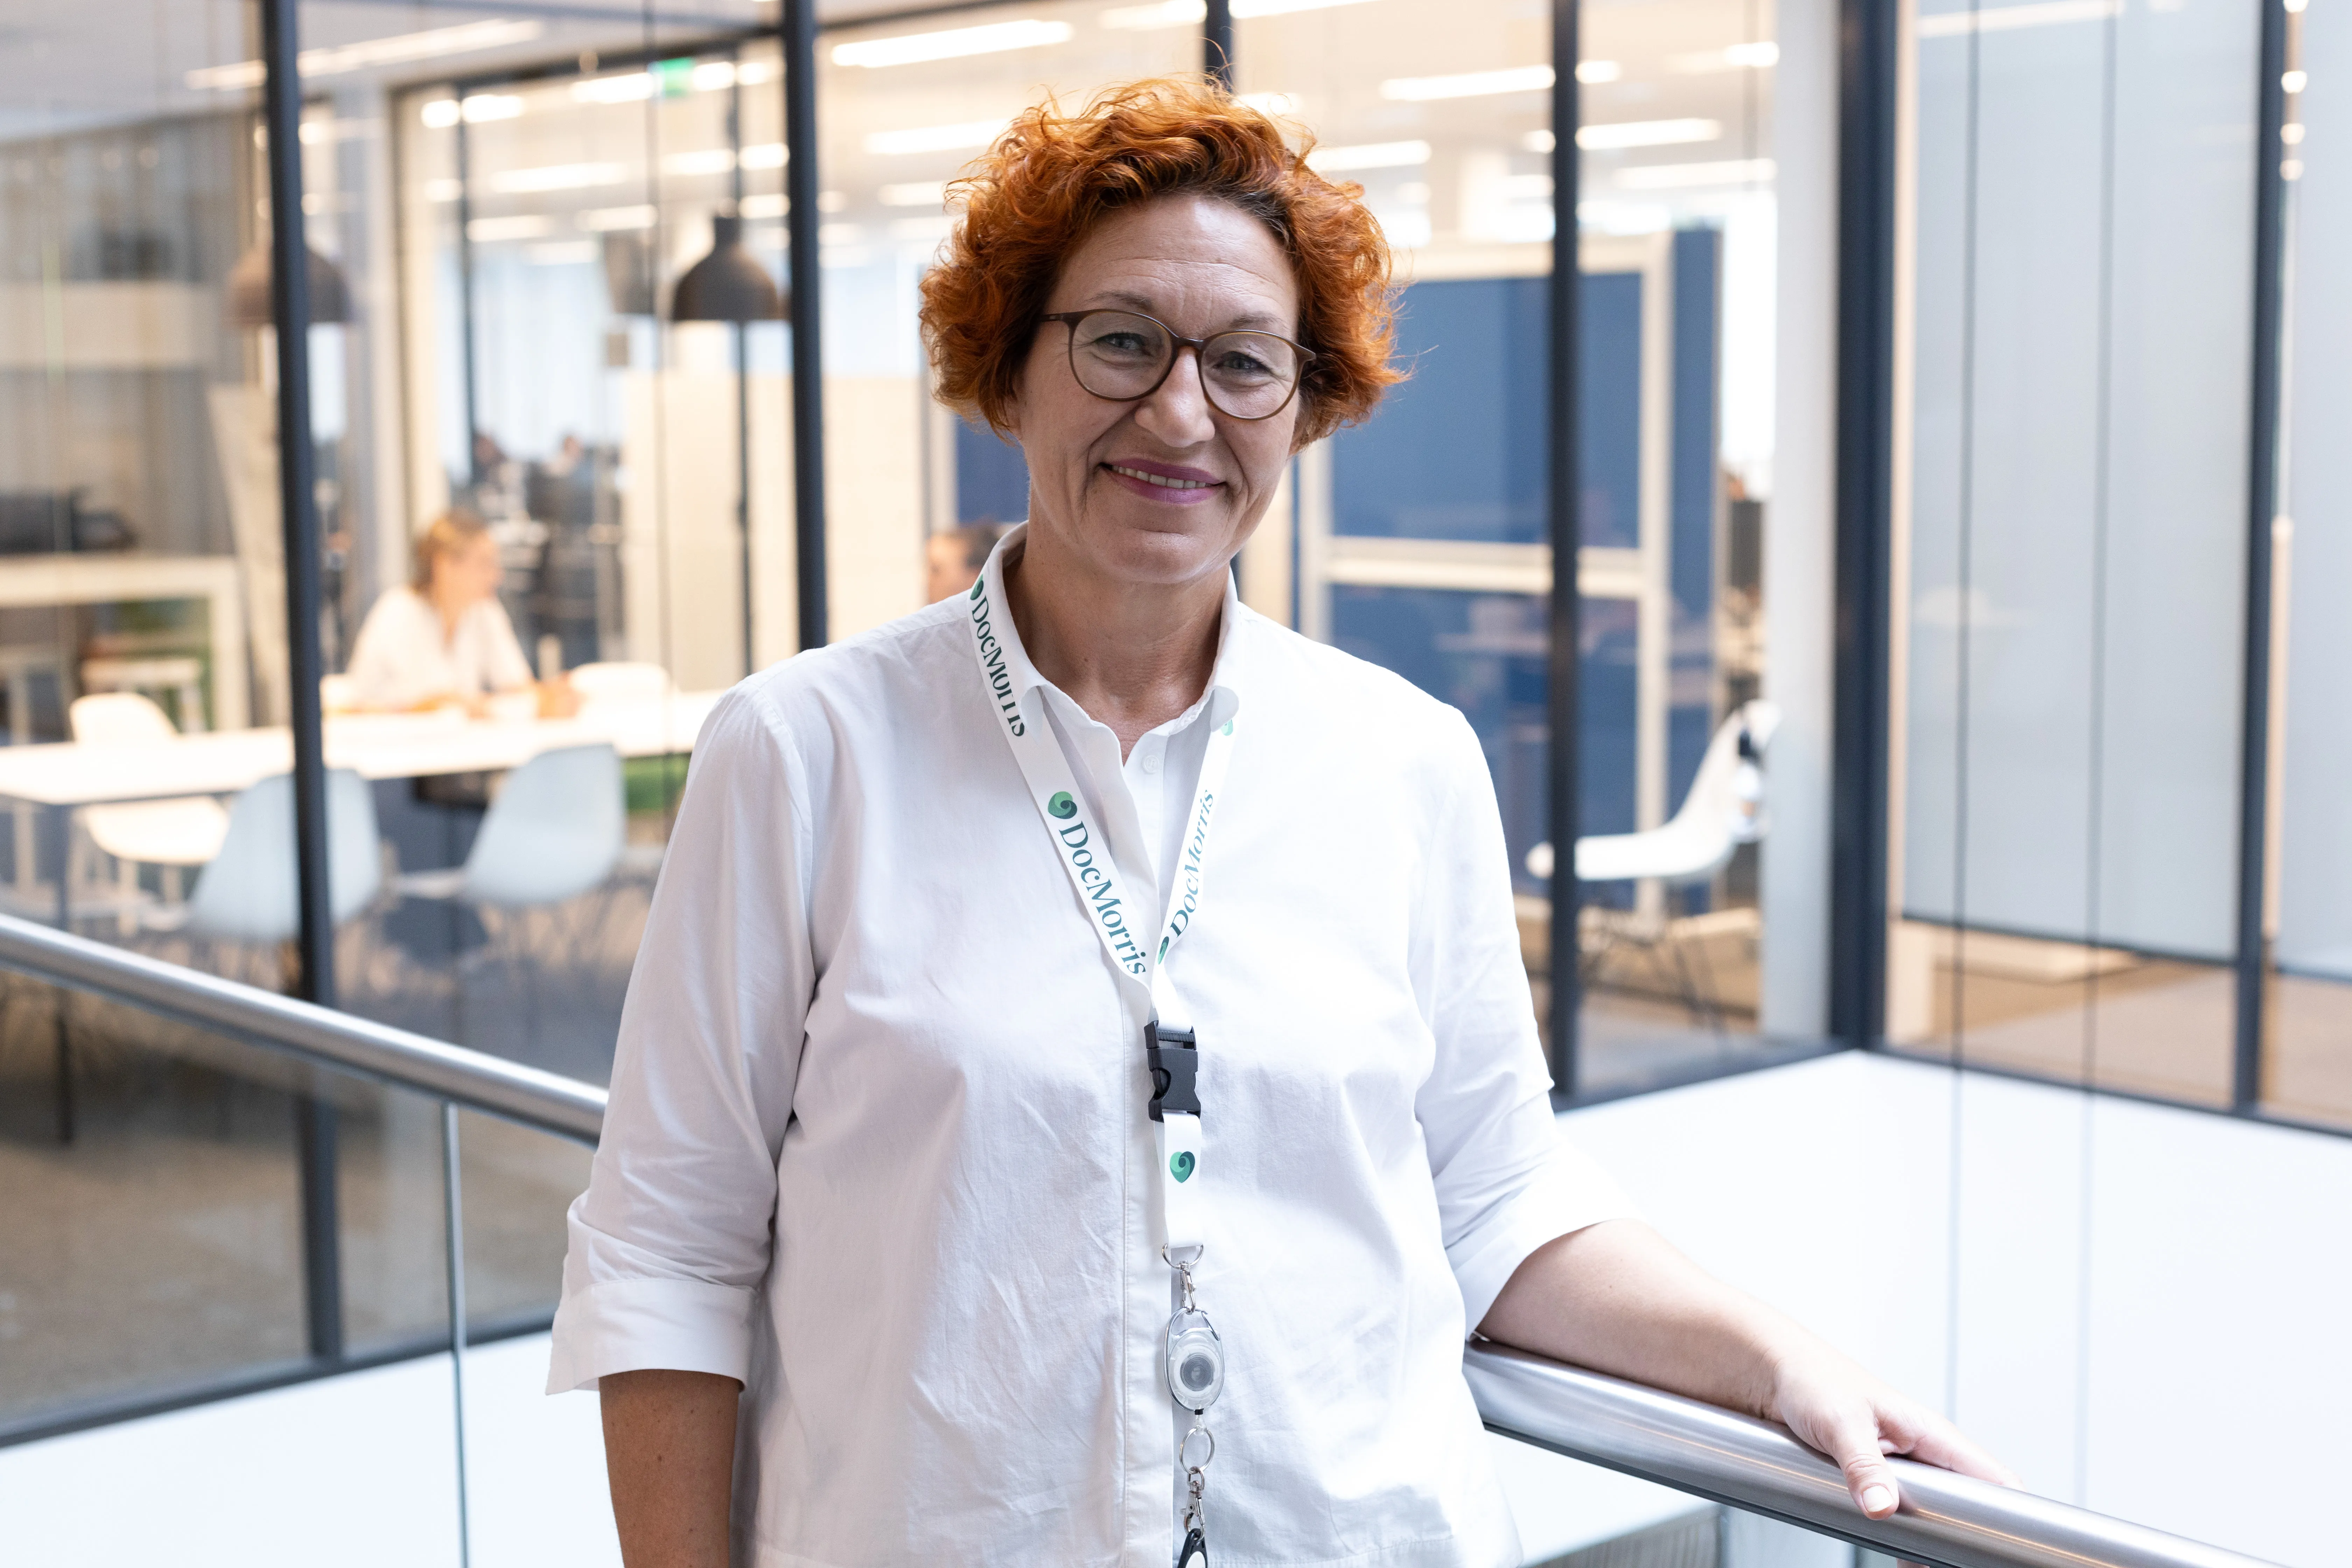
[(1857, 1422), (1854, 1444), (1843, 1423), (1932, 1440)]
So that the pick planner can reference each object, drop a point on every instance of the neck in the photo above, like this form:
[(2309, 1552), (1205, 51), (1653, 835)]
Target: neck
[(1132, 656), (446, 606)]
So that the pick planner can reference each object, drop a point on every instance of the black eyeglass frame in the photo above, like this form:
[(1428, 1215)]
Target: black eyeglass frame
[(1178, 342)]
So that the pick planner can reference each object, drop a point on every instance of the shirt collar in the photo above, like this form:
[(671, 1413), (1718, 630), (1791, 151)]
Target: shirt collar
[(1223, 697)]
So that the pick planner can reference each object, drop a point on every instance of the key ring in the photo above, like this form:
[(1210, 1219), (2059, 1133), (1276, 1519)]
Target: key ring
[(1196, 1479)]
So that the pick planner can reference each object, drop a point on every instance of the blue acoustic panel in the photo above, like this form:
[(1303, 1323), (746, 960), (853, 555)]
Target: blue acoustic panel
[(1457, 451), (1697, 485)]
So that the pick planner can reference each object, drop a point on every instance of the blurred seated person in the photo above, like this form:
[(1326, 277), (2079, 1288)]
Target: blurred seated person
[(954, 558), (443, 639)]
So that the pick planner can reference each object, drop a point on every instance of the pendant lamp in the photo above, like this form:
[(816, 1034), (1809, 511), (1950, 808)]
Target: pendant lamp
[(248, 290), (728, 284)]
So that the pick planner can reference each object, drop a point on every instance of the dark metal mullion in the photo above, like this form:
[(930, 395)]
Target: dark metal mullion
[(2261, 509), (796, 39), (1867, 85), (1217, 41), (289, 304), (1561, 497)]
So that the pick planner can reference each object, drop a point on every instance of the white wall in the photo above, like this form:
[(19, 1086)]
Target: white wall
[(2209, 1301), (356, 1471)]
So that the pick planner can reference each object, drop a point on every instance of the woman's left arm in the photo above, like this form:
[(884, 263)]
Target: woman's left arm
[(1540, 1241), (1618, 1298)]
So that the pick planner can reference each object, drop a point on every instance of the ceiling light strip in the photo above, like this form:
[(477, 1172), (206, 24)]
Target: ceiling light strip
[(341, 59)]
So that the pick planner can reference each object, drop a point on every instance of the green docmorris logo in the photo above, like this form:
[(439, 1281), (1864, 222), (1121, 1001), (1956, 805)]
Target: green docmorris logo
[(977, 585), (1180, 1163), (1062, 806)]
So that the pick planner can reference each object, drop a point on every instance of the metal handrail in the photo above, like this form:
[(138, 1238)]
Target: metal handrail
[(1951, 1521), (546, 1100), (1946, 1520)]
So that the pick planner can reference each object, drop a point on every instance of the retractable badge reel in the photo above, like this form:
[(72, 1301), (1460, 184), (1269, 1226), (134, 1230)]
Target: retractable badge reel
[(1196, 1357), (1196, 1375)]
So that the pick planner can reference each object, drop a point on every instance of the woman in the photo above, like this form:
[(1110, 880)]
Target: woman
[(443, 639), (1000, 1226)]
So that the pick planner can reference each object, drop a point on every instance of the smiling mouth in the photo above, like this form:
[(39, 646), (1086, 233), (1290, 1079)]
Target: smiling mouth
[(1163, 480)]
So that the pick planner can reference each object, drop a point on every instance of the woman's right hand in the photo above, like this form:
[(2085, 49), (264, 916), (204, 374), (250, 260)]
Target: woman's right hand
[(556, 699)]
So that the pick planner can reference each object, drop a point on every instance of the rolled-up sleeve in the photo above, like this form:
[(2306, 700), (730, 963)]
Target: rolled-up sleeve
[(1507, 1181), (670, 1242)]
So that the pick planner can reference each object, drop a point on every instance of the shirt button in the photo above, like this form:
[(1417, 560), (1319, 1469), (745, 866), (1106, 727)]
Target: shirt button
[(1151, 761)]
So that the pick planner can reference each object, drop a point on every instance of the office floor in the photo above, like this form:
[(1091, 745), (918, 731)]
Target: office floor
[(2148, 1027), (1663, 1003)]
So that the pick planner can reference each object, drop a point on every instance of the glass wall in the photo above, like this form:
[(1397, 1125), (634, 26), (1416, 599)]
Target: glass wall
[(2072, 597), (623, 440), (151, 1234), (903, 106), (2307, 1012), (497, 219), (1422, 537)]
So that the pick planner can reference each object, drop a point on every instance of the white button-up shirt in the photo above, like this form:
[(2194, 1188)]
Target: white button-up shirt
[(403, 657), (878, 1144)]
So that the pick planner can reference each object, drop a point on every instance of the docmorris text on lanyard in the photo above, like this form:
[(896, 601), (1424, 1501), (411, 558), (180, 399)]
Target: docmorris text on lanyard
[(1196, 1360)]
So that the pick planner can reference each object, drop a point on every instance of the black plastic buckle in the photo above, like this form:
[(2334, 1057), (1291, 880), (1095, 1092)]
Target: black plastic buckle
[(1173, 1054)]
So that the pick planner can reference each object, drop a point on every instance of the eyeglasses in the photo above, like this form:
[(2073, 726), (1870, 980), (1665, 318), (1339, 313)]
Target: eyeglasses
[(1125, 355)]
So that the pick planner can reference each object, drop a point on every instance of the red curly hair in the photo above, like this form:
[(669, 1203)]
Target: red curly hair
[(1051, 177)]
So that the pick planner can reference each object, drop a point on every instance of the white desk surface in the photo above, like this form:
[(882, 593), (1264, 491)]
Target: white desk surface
[(374, 745)]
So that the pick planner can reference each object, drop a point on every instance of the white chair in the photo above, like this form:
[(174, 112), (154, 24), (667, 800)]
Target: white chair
[(170, 833), (250, 894), (178, 674), (250, 898), (554, 831), (1724, 809)]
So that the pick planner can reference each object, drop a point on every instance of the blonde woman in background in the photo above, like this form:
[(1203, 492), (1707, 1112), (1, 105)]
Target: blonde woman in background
[(442, 639)]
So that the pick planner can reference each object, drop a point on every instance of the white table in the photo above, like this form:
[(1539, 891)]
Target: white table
[(59, 778)]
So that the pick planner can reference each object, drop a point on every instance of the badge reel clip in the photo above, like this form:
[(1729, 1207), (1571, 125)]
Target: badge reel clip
[(1196, 1375), (1196, 1357)]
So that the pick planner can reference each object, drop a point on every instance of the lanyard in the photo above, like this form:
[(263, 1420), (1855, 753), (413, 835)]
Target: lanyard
[(1195, 1358), (1084, 847)]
